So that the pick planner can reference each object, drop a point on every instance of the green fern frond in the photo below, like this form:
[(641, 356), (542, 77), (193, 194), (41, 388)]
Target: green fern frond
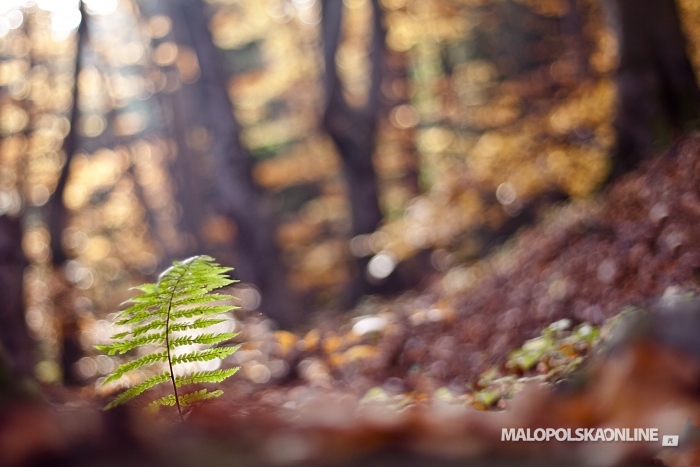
[(120, 335), (199, 323), (145, 288), (204, 355), (209, 339), (168, 400), (179, 302), (201, 311), (126, 345), (186, 399), (140, 315), (149, 359), (139, 388), (199, 377), (155, 324), (201, 395), (200, 300)]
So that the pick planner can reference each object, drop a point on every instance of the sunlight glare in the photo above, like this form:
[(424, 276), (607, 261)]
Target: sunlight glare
[(4, 26), (381, 265), (9, 5), (56, 6), (64, 22), (101, 7), (14, 18)]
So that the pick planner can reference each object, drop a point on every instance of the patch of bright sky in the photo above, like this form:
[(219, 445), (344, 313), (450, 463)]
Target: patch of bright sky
[(65, 14), (101, 7), (9, 5), (11, 16)]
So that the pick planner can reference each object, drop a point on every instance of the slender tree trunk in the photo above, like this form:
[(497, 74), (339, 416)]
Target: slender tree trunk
[(353, 130), (234, 194), (57, 219), (14, 337), (573, 25), (16, 346), (56, 212), (185, 175), (657, 88)]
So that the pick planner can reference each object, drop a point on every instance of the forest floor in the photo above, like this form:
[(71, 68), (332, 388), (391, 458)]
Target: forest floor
[(399, 379), (583, 263)]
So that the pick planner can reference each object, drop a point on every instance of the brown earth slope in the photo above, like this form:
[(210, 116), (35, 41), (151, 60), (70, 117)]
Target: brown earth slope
[(585, 262)]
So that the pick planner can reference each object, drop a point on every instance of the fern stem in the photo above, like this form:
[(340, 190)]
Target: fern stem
[(167, 343)]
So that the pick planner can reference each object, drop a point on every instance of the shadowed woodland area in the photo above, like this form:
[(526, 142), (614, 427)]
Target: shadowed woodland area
[(445, 218)]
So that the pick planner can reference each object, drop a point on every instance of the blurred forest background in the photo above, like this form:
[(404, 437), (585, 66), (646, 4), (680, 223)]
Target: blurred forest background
[(325, 149)]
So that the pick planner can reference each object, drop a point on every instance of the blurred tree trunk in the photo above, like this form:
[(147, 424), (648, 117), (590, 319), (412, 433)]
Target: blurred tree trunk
[(576, 38), (14, 337), (57, 221), (233, 193), (56, 212), (353, 129), (657, 89), (185, 174)]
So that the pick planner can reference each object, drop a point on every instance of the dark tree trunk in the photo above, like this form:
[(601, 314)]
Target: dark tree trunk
[(56, 212), (354, 129), (233, 193), (657, 88), (14, 337), (57, 220), (573, 27), (186, 177)]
